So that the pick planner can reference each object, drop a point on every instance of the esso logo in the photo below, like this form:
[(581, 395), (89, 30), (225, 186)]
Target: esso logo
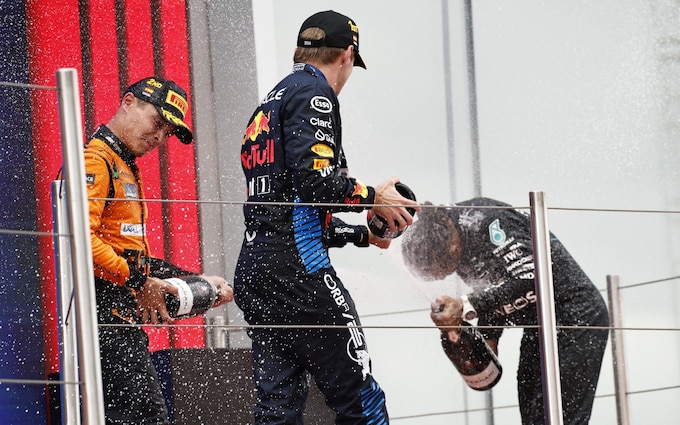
[(321, 104)]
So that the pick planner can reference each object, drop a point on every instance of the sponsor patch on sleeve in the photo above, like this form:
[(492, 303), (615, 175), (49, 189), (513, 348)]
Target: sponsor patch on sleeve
[(360, 189), (323, 151), (321, 104), (131, 191), (496, 234), (320, 164), (127, 229)]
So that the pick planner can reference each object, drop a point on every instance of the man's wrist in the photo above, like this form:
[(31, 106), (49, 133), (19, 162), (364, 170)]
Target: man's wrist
[(136, 280), (363, 237)]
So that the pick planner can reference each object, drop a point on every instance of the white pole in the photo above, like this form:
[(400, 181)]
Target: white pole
[(620, 378), (70, 394), (550, 369), (81, 246)]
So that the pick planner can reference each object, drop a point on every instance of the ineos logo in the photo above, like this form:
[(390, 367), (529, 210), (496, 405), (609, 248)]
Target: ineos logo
[(321, 104)]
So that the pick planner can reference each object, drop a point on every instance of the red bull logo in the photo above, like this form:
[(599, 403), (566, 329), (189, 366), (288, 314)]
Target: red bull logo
[(259, 125), (258, 156), (360, 189)]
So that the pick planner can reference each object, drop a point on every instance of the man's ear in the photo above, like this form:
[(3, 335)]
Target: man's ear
[(127, 100), (347, 55)]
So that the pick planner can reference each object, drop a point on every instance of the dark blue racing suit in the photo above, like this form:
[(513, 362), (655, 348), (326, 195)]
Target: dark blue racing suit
[(497, 261), (292, 153)]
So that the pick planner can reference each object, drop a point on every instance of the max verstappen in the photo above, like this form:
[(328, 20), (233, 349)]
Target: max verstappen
[(293, 160)]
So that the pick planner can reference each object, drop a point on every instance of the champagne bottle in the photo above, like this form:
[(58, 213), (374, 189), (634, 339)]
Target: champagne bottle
[(473, 358), (378, 224), (196, 296)]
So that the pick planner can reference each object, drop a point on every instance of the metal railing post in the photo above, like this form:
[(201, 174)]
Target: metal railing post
[(620, 378), (550, 369), (68, 355), (81, 245)]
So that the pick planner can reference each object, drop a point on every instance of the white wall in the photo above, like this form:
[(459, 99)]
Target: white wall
[(573, 99)]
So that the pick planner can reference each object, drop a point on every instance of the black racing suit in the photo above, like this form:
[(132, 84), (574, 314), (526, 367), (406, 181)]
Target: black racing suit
[(497, 261), (292, 153)]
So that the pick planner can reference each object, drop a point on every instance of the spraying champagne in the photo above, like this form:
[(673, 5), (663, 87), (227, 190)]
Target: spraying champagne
[(473, 358)]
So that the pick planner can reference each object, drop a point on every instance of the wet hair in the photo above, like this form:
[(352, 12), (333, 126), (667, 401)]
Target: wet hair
[(428, 241), (322, 55)]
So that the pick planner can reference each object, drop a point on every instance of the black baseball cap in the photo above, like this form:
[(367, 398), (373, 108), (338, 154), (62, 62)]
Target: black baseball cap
[(169, 99), (340, 31)]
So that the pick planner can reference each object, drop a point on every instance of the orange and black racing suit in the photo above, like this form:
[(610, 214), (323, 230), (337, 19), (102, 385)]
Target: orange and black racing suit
[(122, 263)]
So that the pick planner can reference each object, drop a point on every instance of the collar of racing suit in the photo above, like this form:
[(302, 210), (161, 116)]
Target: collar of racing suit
[(117, 145), (297, 67)]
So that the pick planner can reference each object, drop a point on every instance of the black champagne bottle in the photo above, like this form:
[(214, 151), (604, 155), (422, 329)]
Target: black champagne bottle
[(378, 225), (473, 358), (196, 296)]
